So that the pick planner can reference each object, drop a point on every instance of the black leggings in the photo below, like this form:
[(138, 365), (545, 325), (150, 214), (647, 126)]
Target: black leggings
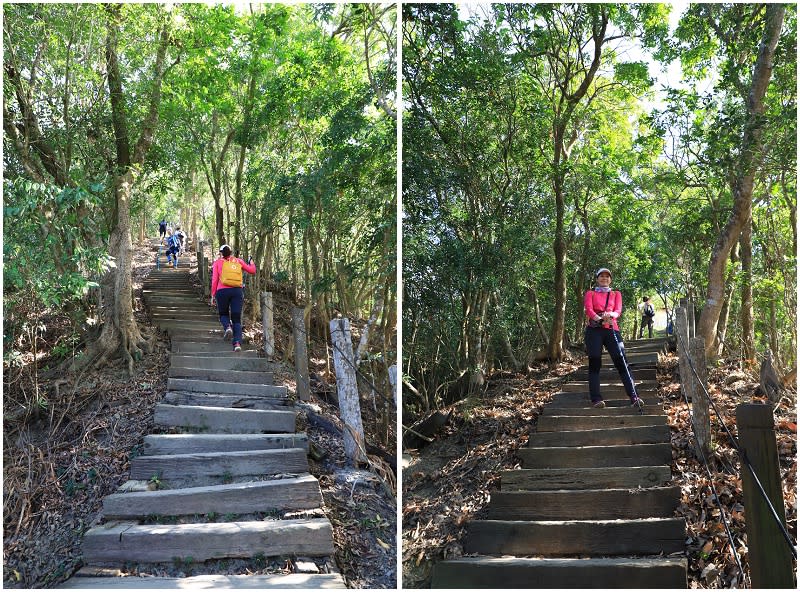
[(596, 338)]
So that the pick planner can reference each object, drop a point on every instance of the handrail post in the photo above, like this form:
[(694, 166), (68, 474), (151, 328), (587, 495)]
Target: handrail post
[(300, 354), (768, 552)]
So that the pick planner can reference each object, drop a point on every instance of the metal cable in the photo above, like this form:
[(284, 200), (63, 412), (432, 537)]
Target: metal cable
[(742, 455)]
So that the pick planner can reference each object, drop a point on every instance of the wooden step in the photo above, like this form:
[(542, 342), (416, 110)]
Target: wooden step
[(608, 394), (168, 467), (299, 493), (128, 541), (622, 410), (574, 400), (247, 364), (557, 423), (229, 421), (199, 443), (582, 386), (225, 352), (637, 455), (610, 373), (652, 434), (227, 388), (585, 478), (216, 400), (223, 375), (208, 348), (209, 582), (553, 538), (524, 572), (584, 504)]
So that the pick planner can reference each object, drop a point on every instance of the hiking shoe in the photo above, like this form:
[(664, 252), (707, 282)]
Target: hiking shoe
[(599, 404), (236, 346), (638, 403), (228, 334)]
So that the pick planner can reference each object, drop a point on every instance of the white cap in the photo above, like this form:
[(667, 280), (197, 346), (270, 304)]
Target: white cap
[(223, 247), (601, 270)]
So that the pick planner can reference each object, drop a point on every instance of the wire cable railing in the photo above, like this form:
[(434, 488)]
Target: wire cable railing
[(742, 455)]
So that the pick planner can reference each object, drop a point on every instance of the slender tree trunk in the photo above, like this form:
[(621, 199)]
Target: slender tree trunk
[(726, 305), (749, 156), (748, 334)]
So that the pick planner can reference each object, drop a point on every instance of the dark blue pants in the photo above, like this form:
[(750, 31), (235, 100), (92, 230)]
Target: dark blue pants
[(172, 254), (596, 338), (231, 299)]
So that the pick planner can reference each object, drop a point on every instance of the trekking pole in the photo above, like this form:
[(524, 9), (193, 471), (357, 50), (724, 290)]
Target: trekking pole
[(621, 347)]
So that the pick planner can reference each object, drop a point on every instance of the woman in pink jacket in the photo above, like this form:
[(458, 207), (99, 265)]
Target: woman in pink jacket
[(603, 307), (226, 289)]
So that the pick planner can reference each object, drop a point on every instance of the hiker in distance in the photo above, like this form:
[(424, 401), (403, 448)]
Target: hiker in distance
[(162, 229), (603, 307), (648, 312), (227, 291), (173, 247)]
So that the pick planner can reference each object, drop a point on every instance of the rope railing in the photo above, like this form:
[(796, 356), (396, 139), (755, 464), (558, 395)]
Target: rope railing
[(734, 441)]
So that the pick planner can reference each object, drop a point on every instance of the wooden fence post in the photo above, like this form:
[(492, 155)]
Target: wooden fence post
[(393, 382), (267, 323), (347, 387), (768, 551), (300, 354), (700, 415)]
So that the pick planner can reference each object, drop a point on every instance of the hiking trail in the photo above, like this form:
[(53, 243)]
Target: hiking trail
[(228, 479), (592, 505)]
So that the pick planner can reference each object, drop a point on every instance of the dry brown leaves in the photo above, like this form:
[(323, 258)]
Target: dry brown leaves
[(449, 482), (712, 563)]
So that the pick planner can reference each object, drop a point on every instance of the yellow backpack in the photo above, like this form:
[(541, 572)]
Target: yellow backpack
[(231, 275)]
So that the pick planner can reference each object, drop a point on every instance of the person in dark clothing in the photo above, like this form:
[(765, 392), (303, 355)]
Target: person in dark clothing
[(648, 312), (603, 307), (162, 229)]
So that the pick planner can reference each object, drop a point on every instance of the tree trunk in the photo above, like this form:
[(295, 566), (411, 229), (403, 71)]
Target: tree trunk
[(748, 334), (749, 157), (120, 333), (726, 305)]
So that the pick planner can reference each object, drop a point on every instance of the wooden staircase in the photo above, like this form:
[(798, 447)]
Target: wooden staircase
[(229, 480), (592, 506)]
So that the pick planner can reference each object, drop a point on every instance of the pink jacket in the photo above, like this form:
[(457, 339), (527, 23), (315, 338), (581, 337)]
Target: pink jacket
[(216, 270), (594, 304)]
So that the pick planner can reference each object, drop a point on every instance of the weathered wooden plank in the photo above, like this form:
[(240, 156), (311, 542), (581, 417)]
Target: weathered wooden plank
[(299, 493), (211, 582), (553, 538), (622, 411), (607, 573), (583, 401), (220, 363), (608, 394), (637, 455), (582, 386), (585, 478), (232, 401), (219, 419), (223, 375), (584, 504), (611, 373), (193, 347), (217, 464), (652, 434), (126, 541), (557, 423), (198, 443), (228, 388)]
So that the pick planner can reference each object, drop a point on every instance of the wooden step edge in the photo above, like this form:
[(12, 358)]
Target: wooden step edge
[(128, 541), (208, 582)]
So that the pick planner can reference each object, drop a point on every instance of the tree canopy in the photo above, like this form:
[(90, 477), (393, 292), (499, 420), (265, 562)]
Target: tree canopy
[(535, 151)]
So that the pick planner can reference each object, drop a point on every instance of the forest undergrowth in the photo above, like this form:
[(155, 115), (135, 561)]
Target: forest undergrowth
[(61, 459), (450, 481)]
